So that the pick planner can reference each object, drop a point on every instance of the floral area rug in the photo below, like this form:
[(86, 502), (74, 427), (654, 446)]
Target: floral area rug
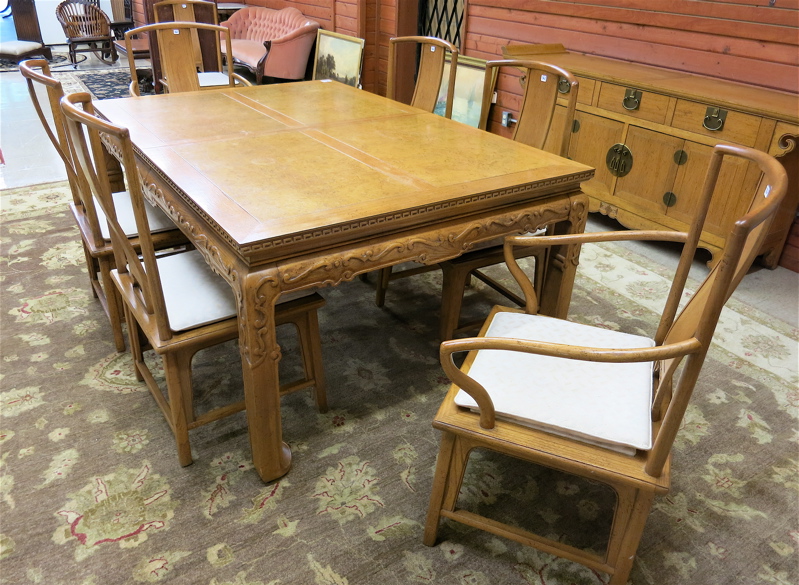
[(59, 61), (91, 492)]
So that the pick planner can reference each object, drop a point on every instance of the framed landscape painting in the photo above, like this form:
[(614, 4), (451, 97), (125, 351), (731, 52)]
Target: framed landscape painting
[(338, 57), (467, 101)]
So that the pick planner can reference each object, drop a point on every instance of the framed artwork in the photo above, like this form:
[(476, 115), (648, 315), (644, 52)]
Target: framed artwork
[(338, 57), (468, 98)]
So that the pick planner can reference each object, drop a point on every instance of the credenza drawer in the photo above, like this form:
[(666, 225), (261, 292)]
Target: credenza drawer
[(633, 102), (731, 126)]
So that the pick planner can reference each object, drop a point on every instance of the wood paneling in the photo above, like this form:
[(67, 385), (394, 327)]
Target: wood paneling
[(749, 42)]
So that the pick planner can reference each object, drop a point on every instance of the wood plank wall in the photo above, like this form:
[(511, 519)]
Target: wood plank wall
[(749, 41)]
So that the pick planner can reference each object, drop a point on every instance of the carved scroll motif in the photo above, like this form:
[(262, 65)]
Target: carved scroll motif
[(262, 295), (430, 248), (786, 143)]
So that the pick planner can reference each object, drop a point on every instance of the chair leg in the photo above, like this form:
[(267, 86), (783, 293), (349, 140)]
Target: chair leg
[(134, 338), (455, 278), (383, 278), (113, 302), (453, 456), (177, 368), (311, 344), (629, 519)]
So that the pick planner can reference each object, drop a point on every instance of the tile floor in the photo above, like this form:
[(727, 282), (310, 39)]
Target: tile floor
[(30, 159)]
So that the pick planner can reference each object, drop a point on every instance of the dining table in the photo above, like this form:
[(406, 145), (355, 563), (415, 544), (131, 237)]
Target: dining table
[(304, 185)]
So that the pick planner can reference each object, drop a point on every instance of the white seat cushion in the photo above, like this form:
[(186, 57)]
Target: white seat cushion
[(159, 221), (18, 47), (194, 295), (212, 78), (599, 403)]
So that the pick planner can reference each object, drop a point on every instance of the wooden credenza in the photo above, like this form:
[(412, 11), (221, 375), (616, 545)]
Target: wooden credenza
[(649, 133)]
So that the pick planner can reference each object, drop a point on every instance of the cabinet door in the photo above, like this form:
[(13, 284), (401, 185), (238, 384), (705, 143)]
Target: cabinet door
[(590, 144), (652, 173), (734, 191)]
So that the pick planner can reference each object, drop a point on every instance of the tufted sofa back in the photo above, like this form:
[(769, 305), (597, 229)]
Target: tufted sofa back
[(256, 23)]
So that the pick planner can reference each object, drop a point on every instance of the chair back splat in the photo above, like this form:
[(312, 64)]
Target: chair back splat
[(429, 74), (615, 414), (174, 303)]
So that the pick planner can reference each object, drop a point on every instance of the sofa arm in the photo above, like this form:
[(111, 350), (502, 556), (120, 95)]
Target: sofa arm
[(287, 58)]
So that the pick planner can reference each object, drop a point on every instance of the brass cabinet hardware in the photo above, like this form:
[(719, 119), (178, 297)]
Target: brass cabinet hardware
[(680, 157), (669, 199), (564, 86), (619, 160), (714, 119), (632, 99), (575, 126)]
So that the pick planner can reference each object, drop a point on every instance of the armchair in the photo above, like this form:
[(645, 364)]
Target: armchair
[(588, 401)]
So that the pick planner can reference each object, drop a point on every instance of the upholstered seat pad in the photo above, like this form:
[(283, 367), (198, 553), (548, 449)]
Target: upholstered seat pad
[(247, 51), (599, 403), (195, 295), (159, 222), (212, 78)]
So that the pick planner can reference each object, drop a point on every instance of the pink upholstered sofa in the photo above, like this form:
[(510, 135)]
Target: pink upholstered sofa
[(272, 43)]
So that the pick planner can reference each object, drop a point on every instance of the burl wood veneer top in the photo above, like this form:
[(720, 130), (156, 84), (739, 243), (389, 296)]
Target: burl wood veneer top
[(324, 161)]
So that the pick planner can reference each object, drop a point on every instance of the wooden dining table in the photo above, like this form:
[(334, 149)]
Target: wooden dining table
[(305, 185)]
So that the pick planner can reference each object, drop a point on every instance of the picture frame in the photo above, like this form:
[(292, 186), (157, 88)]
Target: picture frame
[(338, 57), (467, 101)]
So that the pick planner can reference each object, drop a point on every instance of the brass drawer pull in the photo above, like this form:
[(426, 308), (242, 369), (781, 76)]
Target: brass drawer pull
[(669, 199), (619, 160), (632, 99), (564, 86), (714, 119)]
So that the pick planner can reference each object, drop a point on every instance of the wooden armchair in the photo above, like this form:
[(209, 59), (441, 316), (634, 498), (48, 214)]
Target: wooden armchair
[(614, 416), (174, 303), (183, 66), (88, 214), (429, 74), (85, 24), (543, 85)]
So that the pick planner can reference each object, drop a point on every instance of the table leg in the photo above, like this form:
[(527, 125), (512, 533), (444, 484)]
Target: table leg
[(562, 264), (260, 355)]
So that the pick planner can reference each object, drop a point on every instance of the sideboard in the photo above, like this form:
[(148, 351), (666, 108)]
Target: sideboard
[(649, 133)]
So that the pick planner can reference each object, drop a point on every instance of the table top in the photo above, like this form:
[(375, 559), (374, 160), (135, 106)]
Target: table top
[(282, 169)]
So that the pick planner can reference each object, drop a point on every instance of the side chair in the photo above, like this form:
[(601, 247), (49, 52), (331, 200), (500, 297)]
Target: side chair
[(183, 66), (175, 304), (543, 85), (588, 401), (88, 214)]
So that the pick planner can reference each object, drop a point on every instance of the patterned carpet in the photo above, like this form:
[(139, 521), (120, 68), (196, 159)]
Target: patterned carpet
[(102, 84), (59, 61), (91, 492)]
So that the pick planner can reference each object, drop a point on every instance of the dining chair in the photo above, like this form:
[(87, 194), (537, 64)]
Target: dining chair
[(91, 220), (430, 72), (174, 304), (589, 401), (538, 117), (88, 30), (183, 68)]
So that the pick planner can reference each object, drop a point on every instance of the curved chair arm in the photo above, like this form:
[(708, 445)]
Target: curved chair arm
[(530, 294), (242, 80), (573, 352)]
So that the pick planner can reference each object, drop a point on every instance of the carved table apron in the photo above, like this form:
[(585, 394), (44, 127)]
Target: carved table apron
[(303, 185)]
